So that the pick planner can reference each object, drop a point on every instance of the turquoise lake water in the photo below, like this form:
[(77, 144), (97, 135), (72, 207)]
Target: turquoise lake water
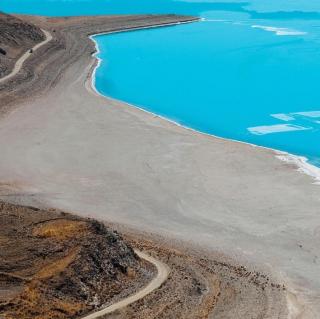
[(250, 71)]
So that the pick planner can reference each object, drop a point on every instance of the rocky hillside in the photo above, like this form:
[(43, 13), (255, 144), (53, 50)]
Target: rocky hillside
[(55, 265), (16, 37)]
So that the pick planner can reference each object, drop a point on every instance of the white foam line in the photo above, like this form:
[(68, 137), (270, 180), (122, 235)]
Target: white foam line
[(300, 161), (214, 20), (225, 21), (279, 31)]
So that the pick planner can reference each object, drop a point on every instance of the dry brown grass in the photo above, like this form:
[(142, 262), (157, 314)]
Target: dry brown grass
[(32, 304), (61, 229), (57, 266)]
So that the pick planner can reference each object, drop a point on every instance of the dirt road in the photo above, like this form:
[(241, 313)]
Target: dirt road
[(162, 275), (25, 56)]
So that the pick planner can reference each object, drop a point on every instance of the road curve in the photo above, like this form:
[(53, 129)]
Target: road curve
[(25, 56), (162, 274)]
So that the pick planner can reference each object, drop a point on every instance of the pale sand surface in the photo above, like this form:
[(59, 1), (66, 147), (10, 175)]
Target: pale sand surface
[(74, 150)]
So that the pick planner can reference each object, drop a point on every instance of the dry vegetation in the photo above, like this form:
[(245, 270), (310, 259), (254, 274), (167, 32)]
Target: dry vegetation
[(55, 265)]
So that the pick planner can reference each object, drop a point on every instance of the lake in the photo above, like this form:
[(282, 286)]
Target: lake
[(249, 71)]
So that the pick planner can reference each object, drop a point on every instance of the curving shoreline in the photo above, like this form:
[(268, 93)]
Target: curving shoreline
[(206, 196), (301, 162)]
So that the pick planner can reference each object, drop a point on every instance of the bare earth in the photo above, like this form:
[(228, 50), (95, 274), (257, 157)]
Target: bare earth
[(55, 265), (72, 149), (16, 37), (162, 273), (19, 63)]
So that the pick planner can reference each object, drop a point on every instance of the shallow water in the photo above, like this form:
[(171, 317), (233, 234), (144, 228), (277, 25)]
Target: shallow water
[(249, 72)]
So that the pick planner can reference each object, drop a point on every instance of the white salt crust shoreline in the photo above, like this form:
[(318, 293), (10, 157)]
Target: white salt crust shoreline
[(300, 162)]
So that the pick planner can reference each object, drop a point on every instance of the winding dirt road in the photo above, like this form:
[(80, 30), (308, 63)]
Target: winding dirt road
[(25, 56), (162, 275)]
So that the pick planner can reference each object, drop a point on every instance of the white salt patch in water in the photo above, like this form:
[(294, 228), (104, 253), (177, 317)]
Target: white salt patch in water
[(283, 117), (312, 114), (279, 31), (279, 128)]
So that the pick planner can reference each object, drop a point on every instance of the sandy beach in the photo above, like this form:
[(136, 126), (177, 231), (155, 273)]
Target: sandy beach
[(64, 146)]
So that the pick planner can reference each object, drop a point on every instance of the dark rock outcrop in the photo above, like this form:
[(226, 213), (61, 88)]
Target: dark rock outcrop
[(55, 265)]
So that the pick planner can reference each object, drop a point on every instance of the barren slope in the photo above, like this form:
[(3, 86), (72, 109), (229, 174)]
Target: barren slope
[(54, 265), (16, 37)]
